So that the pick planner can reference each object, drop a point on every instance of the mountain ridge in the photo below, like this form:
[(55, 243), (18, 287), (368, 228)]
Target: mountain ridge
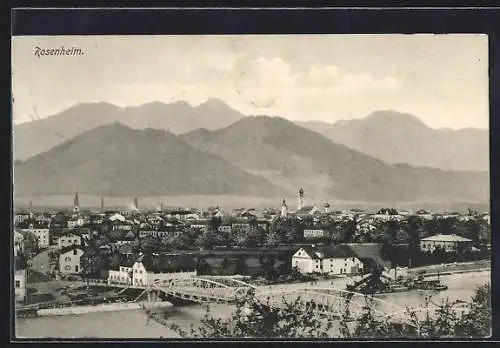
[(34, 137), (116, 160), (403, 138), (289, 156)]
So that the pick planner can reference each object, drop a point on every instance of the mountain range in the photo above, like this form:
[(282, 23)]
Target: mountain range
[(176, 149), (402, 138), (290, 156), (41, 135), (117, 161), (255, 156)]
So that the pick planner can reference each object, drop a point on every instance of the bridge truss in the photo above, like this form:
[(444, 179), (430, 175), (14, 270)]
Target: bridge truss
[(336, 303)]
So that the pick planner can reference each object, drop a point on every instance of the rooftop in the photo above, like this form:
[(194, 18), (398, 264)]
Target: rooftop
[(446, 238)]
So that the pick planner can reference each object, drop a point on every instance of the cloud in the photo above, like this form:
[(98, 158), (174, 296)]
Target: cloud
[(331, 78), (321, 76), (261, 82)]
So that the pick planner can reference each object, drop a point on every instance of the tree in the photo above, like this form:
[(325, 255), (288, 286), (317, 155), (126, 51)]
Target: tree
[(272, 238), (208, 239), (391, 231), (30, 243), (473, 228), (256, 319), (413, 227), (349, 229), (90, 263)]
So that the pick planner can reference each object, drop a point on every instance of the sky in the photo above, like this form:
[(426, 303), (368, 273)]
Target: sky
[(441, 79)]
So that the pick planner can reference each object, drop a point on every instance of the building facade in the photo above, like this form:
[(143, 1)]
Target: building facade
[(42, 234), (69, 260), (314, 233), (69, 240), (330, 260), (20, 285), (447, 242)]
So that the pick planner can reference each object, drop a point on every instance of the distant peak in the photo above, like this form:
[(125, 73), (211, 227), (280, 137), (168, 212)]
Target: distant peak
[(182, 103), (93, 104), (391, 116), (115, 126), (213, 102)]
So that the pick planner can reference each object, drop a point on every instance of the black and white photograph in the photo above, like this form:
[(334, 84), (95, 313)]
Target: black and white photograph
[(323, 186)]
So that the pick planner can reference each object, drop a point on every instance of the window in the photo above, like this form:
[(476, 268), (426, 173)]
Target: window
[(76, 268), (74, 252), (67, 268), (18, 283), (67, 259), (353, 259)]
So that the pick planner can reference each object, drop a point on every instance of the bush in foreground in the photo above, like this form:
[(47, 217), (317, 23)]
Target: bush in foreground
[(253, 319)]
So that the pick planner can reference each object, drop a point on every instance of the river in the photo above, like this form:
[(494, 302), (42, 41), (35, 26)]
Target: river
[(134, 324)]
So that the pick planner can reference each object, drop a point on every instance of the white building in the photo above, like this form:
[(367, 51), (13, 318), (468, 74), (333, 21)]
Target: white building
[(69, 260), (326, 259), (68, 239), (41, 232), (448, 242), (18, 218), (314, 233), (18, 243), (116, 217), (224, 228), (121, 276), (20, 284), (138, 275)]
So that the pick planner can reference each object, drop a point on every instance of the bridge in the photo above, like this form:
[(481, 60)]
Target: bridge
[(326, 301)]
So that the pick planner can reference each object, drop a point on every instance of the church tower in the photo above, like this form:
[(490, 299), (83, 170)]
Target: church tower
[(327, 208), (284, 209), (76, 204), (301, 199)]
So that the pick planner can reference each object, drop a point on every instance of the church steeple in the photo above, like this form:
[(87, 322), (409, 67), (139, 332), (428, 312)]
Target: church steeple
[(284, 209), (76, 203), (301, 199)]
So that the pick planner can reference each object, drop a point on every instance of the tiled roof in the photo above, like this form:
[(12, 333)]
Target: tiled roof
[(69, 248), (167, 262), (76, 231), (305, 210), (329, 251), (446, 238)]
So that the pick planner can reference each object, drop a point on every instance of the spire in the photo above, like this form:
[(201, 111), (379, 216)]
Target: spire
[(102, 202), (284, 209), (301, 199), (76, 203)]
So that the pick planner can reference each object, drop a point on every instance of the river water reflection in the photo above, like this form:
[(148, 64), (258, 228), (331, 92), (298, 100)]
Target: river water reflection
[(134, 324)]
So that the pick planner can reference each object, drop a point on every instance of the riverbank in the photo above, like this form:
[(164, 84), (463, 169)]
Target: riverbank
[(446, 269), (135, 324), (111, 307)]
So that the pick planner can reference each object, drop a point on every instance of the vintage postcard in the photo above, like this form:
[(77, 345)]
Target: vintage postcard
[(292, 186)]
